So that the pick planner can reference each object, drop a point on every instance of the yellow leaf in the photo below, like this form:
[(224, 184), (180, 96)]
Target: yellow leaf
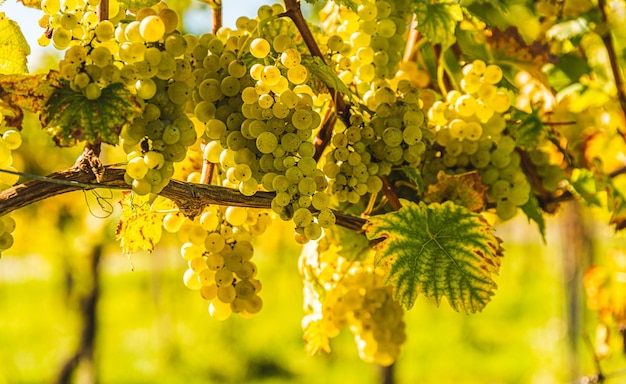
[(13, 47), (140, 226)]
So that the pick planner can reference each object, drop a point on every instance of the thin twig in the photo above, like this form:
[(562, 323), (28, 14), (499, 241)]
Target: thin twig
[(607, 39), (294, 12)]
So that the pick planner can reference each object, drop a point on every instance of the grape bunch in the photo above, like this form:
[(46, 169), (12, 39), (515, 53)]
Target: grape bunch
[(395, 135), (367, 44), (259, 115), (342, 293), (145, 53), (217, 246), (10, 139), (471, 135)]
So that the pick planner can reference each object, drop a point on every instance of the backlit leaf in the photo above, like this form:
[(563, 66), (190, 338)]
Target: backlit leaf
[(438, 20), (437, 250), (140, 226), (464, 189), (533, 212), (325, 74), (70, 117), (20, 92), (13, 47), (584, 183), (529, 130), (508, 48), (615, 200), (350, 244)]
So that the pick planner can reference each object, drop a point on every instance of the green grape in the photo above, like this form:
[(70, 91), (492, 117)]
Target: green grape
[(152, 28), (92, 91), (505, 209), (492, 74), (11, 139), (51, 7), (501, 189), (61, 38), (298, 74), (105, 30), (146, 88), (219, 311), (259, 48), (230, 86), (175, 44), (170, 20)]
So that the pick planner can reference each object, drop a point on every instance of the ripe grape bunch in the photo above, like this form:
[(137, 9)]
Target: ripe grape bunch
[(148, 56), (471, 134), (367, 44), (342, 293), (259, 116), (217, 246)]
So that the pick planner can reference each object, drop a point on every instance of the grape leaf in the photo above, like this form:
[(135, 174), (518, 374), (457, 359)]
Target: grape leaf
[(438, 20), (616, 202), (584, 183), (70, 117), (465, 189), (508, 48), (530, 129), (13, 47), (438, 250), (415, 176), (139, 226), (325, 74), (351, 244), (20, 92), (533, 212)]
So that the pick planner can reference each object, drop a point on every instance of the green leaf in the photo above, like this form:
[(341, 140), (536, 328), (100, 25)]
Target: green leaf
[(508, 48), (615, 200), (415, 176), (530, 130), (584, 183), (437, 250), (13, 47), (351, 244), (70, 117), (437, 21), (140, 226), (533, 212), (325, 74)]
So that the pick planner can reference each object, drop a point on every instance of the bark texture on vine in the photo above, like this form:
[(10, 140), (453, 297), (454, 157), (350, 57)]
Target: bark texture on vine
[(191, 198)]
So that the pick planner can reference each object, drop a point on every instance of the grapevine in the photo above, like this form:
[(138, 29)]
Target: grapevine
[(390, 138)]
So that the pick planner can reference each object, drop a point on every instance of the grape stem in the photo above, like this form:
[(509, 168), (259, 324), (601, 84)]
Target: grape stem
[(294, 12), (216, 15), (324, 135), (410, 49), (391, 194), (607, 39), (544, 196), (191, 198)]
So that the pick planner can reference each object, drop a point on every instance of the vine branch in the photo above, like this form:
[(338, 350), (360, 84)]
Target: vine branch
[(607, 40), (190, 197)]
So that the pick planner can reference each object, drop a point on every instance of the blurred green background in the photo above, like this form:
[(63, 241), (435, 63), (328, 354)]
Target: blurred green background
[(151, 329)]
